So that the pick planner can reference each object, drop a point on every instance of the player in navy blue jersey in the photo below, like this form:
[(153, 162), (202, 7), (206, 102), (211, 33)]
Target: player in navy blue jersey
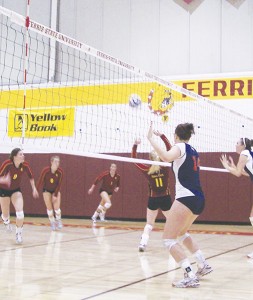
[(244, 166), (189, 203)]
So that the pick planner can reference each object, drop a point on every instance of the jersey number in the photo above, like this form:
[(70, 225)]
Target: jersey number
[(159, 182), (196, 163)]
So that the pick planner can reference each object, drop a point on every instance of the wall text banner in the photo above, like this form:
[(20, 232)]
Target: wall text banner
[(41, 123)]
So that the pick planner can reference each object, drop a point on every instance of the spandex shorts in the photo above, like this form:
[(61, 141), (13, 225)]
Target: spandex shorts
[(8, 193), (51, 192), (194, 203), (162, 202), (101, 190)]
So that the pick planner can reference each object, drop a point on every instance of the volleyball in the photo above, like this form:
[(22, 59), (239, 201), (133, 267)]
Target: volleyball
[(134, 100)]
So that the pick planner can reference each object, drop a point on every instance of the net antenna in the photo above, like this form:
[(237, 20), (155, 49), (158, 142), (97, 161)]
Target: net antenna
[(78, 100)]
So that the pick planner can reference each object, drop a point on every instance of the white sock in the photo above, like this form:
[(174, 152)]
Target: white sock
[(58, 214), (200, 259), (251, 220), (19, 229), (50, 214), (186, 266), (6, 221), (147, 229), (95, 215), (145, 235)]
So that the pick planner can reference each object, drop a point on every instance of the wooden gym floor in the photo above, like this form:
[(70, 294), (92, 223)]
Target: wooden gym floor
[(102, 262)]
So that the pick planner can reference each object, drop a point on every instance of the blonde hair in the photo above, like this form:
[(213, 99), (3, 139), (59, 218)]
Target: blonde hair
[(54, 157), (154, 168)]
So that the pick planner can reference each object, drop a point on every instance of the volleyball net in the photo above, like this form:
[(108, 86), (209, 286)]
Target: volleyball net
[(61, 95)]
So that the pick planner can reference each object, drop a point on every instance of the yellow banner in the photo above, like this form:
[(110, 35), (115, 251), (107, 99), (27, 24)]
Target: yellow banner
[(41, 123)]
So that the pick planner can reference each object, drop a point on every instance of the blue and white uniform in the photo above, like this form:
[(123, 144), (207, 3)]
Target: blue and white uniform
[(186, 170), (249, 164)]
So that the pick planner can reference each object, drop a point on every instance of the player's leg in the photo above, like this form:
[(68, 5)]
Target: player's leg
[(57, 209), (18, 203), (98, 210), (106, 204), (50, 210), (186, 239), (5, 208), (103, 206), (250, 255), (150, 217), (179, 217)]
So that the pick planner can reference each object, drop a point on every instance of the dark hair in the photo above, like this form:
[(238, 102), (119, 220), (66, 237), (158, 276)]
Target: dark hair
[(14, 153), (184, 131), (247, 143)]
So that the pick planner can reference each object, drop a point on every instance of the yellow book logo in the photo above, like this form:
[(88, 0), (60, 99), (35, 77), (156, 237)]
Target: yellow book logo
[(41, 122)]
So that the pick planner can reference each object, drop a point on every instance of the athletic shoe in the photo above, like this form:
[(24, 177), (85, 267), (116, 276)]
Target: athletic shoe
[(19, 239), (250, 255), (142, 248), (53, 225), (59, 224), (187, 282), (8, 227), (204, 271)]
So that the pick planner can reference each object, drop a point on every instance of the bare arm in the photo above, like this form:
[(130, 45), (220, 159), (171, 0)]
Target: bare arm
[(236, 170), (90, 191), (34, 190), (165, 155)]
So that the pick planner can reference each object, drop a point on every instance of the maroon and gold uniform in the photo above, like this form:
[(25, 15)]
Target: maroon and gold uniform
[(15, 174), (109, 183), (159, 181), (51, 182)]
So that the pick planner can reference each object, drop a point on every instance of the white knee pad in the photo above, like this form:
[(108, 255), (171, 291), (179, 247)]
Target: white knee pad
[(50, 212), (183, 237), (20, 215), (107, 205), (169, 243)]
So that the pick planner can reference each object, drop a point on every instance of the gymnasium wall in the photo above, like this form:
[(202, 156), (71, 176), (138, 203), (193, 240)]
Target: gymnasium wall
[(228, 198), (164, 37)]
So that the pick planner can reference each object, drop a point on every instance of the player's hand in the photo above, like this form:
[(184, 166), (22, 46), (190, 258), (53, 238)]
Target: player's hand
[(224, 161), (6, 179), (157, 132), (90, 191), (35, 193), (116, 189), (137, 141), (231, 162)]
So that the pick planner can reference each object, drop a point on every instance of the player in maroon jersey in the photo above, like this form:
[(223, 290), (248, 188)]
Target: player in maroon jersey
[(110, 183), (159, 194), (16, 166), (50, 180)]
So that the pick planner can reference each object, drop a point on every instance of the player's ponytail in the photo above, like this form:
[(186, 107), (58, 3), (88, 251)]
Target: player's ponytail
[(247, 143), (184, 131)]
